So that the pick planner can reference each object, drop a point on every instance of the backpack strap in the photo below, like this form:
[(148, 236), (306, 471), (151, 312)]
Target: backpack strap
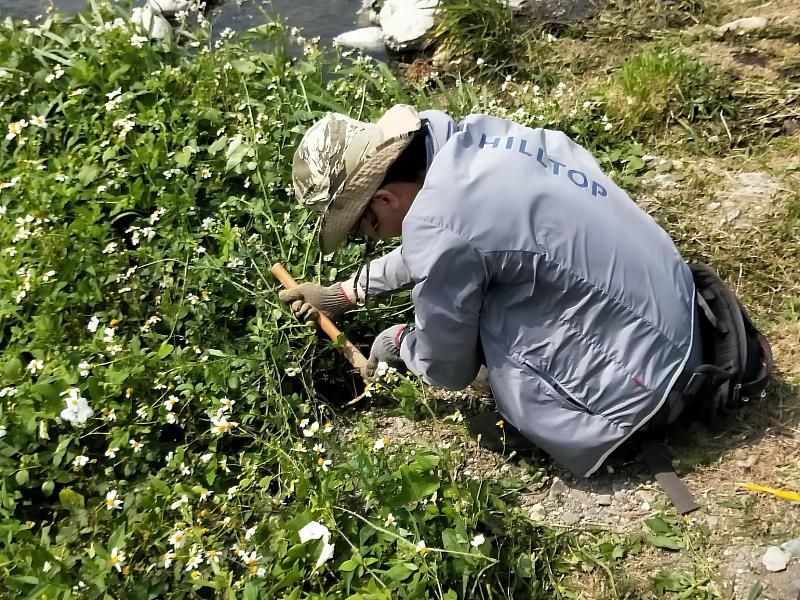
[(661, 466), (731, 343)]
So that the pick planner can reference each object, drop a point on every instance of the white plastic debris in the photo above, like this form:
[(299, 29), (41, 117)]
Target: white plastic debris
[(366, 38), (775, 559)]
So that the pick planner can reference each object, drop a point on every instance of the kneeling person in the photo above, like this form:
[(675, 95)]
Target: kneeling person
[(521, 255)]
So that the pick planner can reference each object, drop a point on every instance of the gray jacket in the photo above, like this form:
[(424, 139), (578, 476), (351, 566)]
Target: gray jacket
[(523, 254)]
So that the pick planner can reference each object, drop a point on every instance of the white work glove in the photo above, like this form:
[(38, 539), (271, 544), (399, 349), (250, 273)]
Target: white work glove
[(308, 300), (385, 348)]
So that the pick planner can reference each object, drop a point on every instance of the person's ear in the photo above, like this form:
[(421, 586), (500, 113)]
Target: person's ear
[(386, 196)]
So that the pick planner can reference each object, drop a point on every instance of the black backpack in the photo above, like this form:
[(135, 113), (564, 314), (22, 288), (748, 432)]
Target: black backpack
[(737, 358), (737, 362)]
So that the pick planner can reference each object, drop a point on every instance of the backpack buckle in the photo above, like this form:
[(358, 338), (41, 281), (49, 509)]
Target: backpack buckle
[(696, 384)]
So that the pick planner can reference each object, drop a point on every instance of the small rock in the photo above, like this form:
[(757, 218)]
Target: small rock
[(604, 500), (168, 7), (775, 559), (558, 489), (368, 14), (618, 487), (742, 26), (664, 180), (570, 518), (712, 521), (153, 24), (537, 512), (714, 205), (366, 38), (406, 23), (791, 126), (646, 497), (517, 5), (792, 547), (748, 463)]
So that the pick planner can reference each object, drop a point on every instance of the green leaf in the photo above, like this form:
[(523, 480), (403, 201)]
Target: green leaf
[(117, 537), (524, 566), (250, 591), (118, 72), (165, 350), (22, 477), (246, 67), (348, 565), (183, 157), (88, 174), (635, 164), (659, 525), (668, 581), (26, 579), (665, 541), (416, 486), (400, 571), (117, 376), (13, 369), (218, 145), (755, 591), (425, 461), (450, 540), (70, 499), (237, 151)]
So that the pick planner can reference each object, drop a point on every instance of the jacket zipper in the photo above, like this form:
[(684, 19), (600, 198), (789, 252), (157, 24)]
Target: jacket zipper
[(557, 387)]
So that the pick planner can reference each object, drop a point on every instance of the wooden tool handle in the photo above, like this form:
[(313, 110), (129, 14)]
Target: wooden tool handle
[(352, 353)]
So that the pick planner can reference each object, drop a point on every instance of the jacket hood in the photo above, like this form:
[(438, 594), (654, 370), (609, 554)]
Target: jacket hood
[(440, 128)]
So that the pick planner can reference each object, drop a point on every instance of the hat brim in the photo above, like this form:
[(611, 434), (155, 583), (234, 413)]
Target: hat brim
[(346, 209)]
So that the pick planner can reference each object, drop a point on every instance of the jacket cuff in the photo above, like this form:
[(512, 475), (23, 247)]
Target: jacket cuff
[(347, 291)]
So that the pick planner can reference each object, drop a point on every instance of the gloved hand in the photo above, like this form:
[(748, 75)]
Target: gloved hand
[(307, 300), (385, 348)]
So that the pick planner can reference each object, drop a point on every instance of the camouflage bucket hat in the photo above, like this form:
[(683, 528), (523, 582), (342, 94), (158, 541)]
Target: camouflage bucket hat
[(340, 163)]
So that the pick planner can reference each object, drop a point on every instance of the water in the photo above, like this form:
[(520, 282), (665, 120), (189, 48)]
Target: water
[(323, 18)]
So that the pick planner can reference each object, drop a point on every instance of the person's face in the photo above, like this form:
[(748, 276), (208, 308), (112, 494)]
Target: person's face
[(383, 217)]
